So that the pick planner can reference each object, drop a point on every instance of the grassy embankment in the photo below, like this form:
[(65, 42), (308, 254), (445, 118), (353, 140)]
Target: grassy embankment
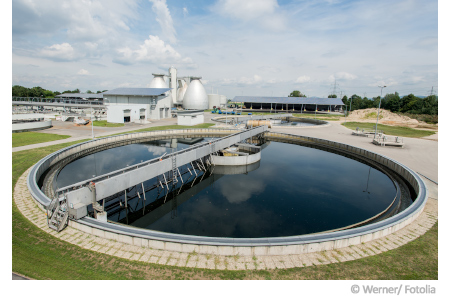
[(390, 130), (28, 138), (40, 255)]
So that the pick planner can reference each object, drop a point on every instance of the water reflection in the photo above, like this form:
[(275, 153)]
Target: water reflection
[(294, 190), (113, 159)]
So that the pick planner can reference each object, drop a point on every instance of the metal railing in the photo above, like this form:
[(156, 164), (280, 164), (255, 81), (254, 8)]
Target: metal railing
[(85, 183), (56, 100)]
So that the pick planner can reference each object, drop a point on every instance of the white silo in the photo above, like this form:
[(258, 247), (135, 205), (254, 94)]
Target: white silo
[(158, 81), (213, 100), (195, 96), (223, 101), (182, 87)]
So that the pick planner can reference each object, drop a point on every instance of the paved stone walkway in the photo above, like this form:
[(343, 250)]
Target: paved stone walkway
[(30, 210)]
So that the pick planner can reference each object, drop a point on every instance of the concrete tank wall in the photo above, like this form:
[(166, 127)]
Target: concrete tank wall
[(31, 126)]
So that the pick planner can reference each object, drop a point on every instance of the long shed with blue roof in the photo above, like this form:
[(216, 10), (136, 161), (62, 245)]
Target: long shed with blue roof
[(291, 103)]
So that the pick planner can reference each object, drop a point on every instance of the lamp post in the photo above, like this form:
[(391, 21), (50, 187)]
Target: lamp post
[(345, 114), (379, 104), (92, 122)]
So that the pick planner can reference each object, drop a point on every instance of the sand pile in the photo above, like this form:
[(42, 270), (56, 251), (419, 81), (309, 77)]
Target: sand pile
[(386, 117)]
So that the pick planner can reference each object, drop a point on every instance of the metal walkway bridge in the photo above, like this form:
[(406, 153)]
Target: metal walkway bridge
[(82, 194)]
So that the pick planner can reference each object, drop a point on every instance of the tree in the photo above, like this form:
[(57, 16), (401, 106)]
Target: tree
[(367, 103), (355, 102), (77, 91), (48, 94), (19, 91), (88, 92), (332, 96), (296, 94), (392, 102), (409, 103), (37, 91)]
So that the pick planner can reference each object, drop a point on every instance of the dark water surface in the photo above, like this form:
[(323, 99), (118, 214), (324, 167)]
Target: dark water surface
[(296, 190)]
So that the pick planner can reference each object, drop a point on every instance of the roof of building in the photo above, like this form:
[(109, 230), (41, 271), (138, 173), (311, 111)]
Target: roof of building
[(289, 100), (137, 91), (80, 95)]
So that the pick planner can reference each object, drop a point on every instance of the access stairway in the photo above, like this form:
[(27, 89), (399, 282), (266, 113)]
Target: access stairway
[(57, 214)]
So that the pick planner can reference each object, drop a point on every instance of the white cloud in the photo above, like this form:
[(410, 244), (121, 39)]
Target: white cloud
[(79, 19), (59, 52), (264, 12), (249, 9), (83, 72), (242, 191), (342, 76), (185, 11), (154, 50), (303, 79), (164, 19), (250, 80)]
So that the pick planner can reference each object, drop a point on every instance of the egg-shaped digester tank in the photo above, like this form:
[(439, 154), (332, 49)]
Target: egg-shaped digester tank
[(158, 82), (182, 87), (195, 96)]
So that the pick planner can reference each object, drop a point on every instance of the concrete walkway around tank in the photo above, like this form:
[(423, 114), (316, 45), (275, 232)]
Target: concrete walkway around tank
[(30, 210), (418, 154)]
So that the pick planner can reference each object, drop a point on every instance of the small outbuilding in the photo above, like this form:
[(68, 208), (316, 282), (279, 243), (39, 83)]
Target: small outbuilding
[(137, 104), (190, 117)]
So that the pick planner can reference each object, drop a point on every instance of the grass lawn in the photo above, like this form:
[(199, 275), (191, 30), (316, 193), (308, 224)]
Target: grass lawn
[(104, 123), (390, 130), (32, 137), (39, 255)]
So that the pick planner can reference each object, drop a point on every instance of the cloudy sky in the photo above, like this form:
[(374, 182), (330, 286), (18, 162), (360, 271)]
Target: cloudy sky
[(252, 47)]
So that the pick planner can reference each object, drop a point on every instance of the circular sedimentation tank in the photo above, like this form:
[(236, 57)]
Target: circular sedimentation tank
[(303, 191)]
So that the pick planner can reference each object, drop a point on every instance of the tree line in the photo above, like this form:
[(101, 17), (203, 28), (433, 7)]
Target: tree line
[(408, 104), (37, 91)]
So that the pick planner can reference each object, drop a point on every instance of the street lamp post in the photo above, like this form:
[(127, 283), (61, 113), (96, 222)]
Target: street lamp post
[(92, 123), (379, 105), (345, 114)]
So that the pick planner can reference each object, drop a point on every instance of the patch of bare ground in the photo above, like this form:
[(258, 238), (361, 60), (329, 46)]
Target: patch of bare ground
[(369, 115)]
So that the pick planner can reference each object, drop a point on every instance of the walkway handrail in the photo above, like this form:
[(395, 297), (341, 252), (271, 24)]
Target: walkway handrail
[(41, 166), (97, 179)]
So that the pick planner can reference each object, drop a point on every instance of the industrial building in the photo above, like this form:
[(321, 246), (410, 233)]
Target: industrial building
[(137, 104), (156, 102), (290, 103)]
